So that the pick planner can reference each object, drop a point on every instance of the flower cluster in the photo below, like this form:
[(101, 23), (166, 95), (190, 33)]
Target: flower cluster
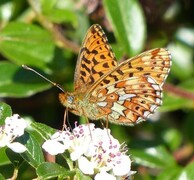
[(98, 154), (13, 128)]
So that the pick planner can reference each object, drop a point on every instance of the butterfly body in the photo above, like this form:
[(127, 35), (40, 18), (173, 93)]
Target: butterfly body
[(125, 93), (79, 105)]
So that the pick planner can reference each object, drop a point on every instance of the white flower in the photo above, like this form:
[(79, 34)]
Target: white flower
[(122, 165), (55, 145), (13, 128), (95, 150), (86, 166), (104, 175), (50, 147), (81, 141)]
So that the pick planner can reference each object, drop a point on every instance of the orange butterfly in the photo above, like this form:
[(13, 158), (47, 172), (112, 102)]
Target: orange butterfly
[(125, 93)]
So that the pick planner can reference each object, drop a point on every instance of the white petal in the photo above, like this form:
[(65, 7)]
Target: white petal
[(53, 147), (85, 166), (124, 167), (104, 175), (4, 140), (17, 147), (77, 153)]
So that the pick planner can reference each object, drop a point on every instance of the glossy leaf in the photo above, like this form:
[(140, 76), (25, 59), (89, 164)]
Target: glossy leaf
[(26, 44), (81, 176), (128, 24), (17, 82), (173, 138), (1, 177), (52, 170), (5, 111), (59, 11), (41, 130), (33, 155), (187, 172), (170, 173), (182, 60), (4, 159), (155, 157), (172, 102)]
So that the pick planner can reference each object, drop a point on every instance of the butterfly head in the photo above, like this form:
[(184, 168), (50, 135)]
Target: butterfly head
[(68, 100)]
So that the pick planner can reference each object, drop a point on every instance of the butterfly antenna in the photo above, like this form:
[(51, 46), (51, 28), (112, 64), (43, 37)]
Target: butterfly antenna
[(53, 83)]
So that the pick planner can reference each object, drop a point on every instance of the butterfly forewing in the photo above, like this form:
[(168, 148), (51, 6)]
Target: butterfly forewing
[(96, 58), (154, 63)]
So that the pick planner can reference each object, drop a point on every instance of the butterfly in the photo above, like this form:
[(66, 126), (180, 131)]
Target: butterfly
[(123, 93)]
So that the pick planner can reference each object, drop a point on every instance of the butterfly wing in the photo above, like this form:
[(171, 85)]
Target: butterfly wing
[(133, 90), (96, 58)]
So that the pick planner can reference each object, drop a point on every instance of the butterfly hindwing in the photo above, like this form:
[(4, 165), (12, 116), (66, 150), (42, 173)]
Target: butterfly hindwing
[(136, 85), (128, 101)]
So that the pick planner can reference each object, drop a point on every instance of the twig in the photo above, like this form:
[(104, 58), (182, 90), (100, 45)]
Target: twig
[(178, 91)]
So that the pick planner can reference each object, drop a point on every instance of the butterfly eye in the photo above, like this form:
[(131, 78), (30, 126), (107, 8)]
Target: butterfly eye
[(70, 99)]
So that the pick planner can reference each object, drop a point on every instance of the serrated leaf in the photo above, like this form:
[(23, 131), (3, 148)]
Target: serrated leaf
[(17, 82), (5, 111), (51, 170), (128, 24), (155, 157), (26, 44)]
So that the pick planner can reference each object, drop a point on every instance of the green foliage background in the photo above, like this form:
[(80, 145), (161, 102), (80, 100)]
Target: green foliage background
[(47, 35)]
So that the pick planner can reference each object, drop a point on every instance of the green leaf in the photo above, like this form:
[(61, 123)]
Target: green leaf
[(188, 85), (155, 157), (59, 11), (188, 172), (81, 176), (6, 6), (173, 138), (185, 35), (182, 57), (4, 159), (33, 155), (1, 177), (51, 170), (5, 111), (172, 102), (128, 23), (17, 82), (15, 158), (37, 134), (26, 44), (41, 130), (167, 174)]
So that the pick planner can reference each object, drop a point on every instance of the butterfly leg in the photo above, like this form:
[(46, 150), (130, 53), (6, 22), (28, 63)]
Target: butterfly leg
[(107, 121), (64, 119)]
